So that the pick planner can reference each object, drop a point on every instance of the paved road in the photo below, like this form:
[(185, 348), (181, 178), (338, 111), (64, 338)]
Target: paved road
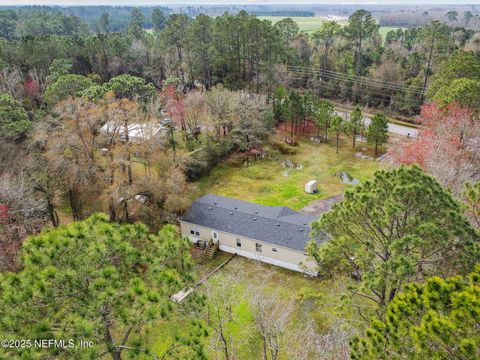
[(393, 128)]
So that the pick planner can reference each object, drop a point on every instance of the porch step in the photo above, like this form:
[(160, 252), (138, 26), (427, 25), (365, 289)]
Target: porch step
[(212, 249)]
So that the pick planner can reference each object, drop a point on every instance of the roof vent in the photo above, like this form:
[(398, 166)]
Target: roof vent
[(215, 203), (235, 208), (256, 212), (231, 212), (301, 229), (254, 218), (278, 224), (305, 224), (209, 208)]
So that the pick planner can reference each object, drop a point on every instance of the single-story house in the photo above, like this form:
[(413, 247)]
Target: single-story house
[(275, 235)]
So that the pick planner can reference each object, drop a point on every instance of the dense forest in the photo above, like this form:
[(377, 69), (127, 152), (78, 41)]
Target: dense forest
[(106, 125), (349, 63), (31, 16)]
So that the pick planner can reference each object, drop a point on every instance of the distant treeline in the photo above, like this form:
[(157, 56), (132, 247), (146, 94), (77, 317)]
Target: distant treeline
[(291, 13), (90, 15), (419, 17)]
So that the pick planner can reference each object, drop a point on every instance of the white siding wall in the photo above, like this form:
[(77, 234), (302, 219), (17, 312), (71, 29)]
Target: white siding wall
[(283, 257)]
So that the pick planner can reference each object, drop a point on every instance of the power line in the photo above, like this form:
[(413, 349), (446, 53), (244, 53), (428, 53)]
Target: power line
[(353, 77), (378, 96), (364, 81), (363, 78), (300, 76), (344, 79)]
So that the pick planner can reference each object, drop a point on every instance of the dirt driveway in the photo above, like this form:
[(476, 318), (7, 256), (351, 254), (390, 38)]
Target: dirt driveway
[(321, 206)]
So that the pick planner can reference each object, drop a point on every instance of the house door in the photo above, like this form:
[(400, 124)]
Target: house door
[(258, 251), (214, 236)]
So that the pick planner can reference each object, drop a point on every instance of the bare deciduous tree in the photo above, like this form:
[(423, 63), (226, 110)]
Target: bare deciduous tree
[(108, 156), (221, 106), (221, 299), (25, 215), (306, 343), (272, 314), (11, 82)]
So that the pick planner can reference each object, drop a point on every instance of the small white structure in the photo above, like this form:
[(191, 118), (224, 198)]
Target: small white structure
[(140, 198), (136, 131), (311, 187)]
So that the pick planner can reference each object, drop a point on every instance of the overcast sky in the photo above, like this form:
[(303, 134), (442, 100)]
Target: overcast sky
[(230, 2)]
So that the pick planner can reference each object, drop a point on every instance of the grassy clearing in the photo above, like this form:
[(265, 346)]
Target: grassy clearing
[(385, 29), (316, 300), (268, 182), (308, 24), (313, 299)]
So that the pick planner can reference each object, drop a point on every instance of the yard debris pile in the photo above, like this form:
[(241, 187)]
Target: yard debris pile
[(384, 157), (290, 164), (182, 294), (290, 141), (360, 155), (347, 178)]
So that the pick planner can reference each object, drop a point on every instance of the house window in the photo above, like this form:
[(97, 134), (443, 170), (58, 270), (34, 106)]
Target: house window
[(258, 247), (239, 242), (274, 249), (192, 230), (195, 231), (215, 235)]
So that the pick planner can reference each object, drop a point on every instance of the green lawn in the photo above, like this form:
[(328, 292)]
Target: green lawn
[(268, 182), (307, 24), (313, 23), (313, 299), (385, 29), (317, 300)]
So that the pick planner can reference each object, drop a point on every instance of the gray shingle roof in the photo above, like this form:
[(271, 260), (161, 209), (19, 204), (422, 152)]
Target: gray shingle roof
[(277, 225)]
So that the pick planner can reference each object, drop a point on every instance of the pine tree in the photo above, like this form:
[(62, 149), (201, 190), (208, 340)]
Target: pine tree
[(105, 22), (14, 119), (93, 280), (355, 123), (158, 20), (137, 19), (399, 227), (336, 127), (323, 116), (434, 320), (377, 131)]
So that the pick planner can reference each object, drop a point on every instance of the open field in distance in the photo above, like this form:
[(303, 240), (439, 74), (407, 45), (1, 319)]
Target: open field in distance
[(312, 24)]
